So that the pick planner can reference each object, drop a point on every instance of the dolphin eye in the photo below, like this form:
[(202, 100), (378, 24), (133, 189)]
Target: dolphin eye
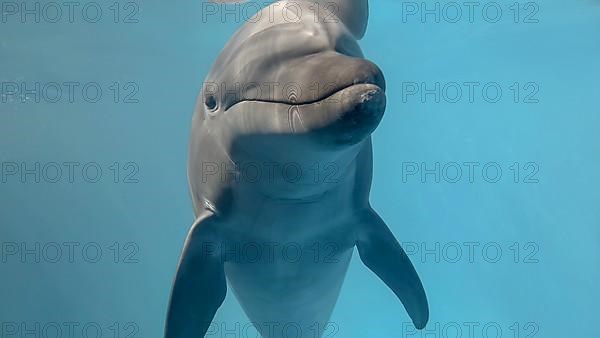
[(210, 102)]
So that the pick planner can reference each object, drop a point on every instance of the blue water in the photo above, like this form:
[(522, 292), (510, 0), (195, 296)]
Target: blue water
[(545, 222)]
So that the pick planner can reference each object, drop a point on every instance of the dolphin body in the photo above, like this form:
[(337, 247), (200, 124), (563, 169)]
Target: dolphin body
[(280, 173)]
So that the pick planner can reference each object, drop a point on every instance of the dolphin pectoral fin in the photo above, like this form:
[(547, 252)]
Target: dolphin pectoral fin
[(382, 253), (199, 287)]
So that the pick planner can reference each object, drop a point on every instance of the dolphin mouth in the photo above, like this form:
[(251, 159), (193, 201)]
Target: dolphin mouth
[(328, 96), (344, 117)]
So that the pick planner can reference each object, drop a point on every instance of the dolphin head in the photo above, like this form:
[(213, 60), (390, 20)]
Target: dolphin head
[(291, 87), (296, 70)]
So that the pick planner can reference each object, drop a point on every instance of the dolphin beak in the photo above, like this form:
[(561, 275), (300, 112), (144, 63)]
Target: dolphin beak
[(350, 108), (336, 99), (344, 118)]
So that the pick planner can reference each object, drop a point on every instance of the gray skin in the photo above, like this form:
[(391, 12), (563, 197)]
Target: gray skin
[(280, 178)]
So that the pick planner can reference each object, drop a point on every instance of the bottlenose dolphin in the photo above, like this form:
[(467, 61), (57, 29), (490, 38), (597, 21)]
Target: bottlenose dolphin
[(280, 168)]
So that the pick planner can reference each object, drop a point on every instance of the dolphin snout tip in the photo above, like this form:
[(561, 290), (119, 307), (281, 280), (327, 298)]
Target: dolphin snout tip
[(370, 101), (364, 107), (369, 95)]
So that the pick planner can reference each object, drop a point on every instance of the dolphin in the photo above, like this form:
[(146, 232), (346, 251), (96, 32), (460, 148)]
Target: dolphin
[(280, 170)]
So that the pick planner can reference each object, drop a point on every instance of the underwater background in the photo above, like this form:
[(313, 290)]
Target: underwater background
[(486, 166)]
